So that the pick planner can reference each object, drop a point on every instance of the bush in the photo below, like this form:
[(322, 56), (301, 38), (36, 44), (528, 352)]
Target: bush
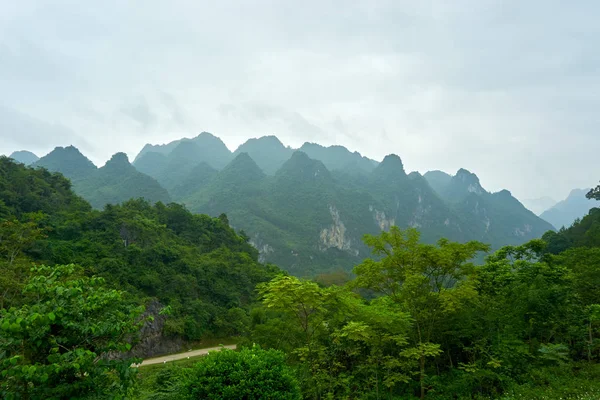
[(251, 373)]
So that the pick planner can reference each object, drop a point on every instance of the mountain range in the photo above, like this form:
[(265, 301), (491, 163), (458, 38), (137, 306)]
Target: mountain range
[(114, 183), (304, 209)]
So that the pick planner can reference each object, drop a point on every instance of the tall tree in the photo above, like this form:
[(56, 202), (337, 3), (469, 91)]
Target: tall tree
[(429, 282)]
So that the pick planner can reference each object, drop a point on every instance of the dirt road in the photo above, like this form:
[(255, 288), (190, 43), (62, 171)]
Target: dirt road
[(181, 356)]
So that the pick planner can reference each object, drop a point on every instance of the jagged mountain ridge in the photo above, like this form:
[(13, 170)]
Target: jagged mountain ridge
[(307, 219), (493, 217), (267, 151)]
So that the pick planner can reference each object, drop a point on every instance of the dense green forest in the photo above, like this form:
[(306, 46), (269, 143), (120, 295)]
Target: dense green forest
[(194, 264), (86, 292)]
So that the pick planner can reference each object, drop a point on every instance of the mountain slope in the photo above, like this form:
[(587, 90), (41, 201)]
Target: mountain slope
[(309, 220), (207, 148), (268, 152), (26, 190), (338, 158), (438, 180), (117, 182), (24, 157), (68, 161), (565, 212), (163, 255), (495, 218)]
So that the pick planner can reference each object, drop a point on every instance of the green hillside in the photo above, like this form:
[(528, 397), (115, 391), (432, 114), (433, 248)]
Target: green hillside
[(163, 255)]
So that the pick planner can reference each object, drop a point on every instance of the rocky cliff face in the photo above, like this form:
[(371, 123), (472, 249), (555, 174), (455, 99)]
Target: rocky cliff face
[(152, 342), (335, 235), (264, 249)]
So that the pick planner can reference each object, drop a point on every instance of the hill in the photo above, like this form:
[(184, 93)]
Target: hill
[(495, 218), (27, 190), (268, 152), (163, 255), (565, 212), (207, 148), (339, 158), (308, 219), (117, 182), (24, 157), (114, 183), (68, 161)]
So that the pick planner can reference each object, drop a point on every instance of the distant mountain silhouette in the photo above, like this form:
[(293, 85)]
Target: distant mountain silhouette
[(24, 157), (565, 212)]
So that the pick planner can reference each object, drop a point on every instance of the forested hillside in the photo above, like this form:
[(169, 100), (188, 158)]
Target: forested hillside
[(195, 265), (117, 181), (417, 320), (422, 321)]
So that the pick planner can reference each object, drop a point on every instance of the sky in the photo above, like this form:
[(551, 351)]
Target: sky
[(509, 90)]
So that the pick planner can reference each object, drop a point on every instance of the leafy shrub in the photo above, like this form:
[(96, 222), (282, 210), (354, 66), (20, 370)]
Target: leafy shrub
[(251, 373)]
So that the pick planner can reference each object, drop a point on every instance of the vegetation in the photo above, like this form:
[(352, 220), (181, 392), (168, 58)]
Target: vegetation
[(305, 210), (415, 320), (56, 346), (195, 266), (247, 374)]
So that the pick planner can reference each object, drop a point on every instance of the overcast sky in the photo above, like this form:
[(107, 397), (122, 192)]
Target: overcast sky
[(507, 89)]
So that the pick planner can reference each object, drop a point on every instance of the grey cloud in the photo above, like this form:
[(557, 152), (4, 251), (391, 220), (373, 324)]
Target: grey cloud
[(291, 123), (140, 112), (507, 89), (21, 131)]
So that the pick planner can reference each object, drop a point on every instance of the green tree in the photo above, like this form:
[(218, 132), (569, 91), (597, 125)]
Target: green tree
[(58, 345), (251, 373), (15, 238), (427, 281), (594, 194)]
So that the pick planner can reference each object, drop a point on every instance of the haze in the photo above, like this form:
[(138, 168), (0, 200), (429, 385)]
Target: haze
[(507, 89)]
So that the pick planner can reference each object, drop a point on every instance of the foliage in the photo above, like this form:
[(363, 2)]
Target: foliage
[(429, 282), (309, 212), (58, 344), (251, 373), (583, 233), (25, 190), (119, 181), (429, 323), (594, 194), (195, 264)]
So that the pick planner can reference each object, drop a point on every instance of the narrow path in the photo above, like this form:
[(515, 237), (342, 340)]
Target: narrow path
[(181, 356)]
